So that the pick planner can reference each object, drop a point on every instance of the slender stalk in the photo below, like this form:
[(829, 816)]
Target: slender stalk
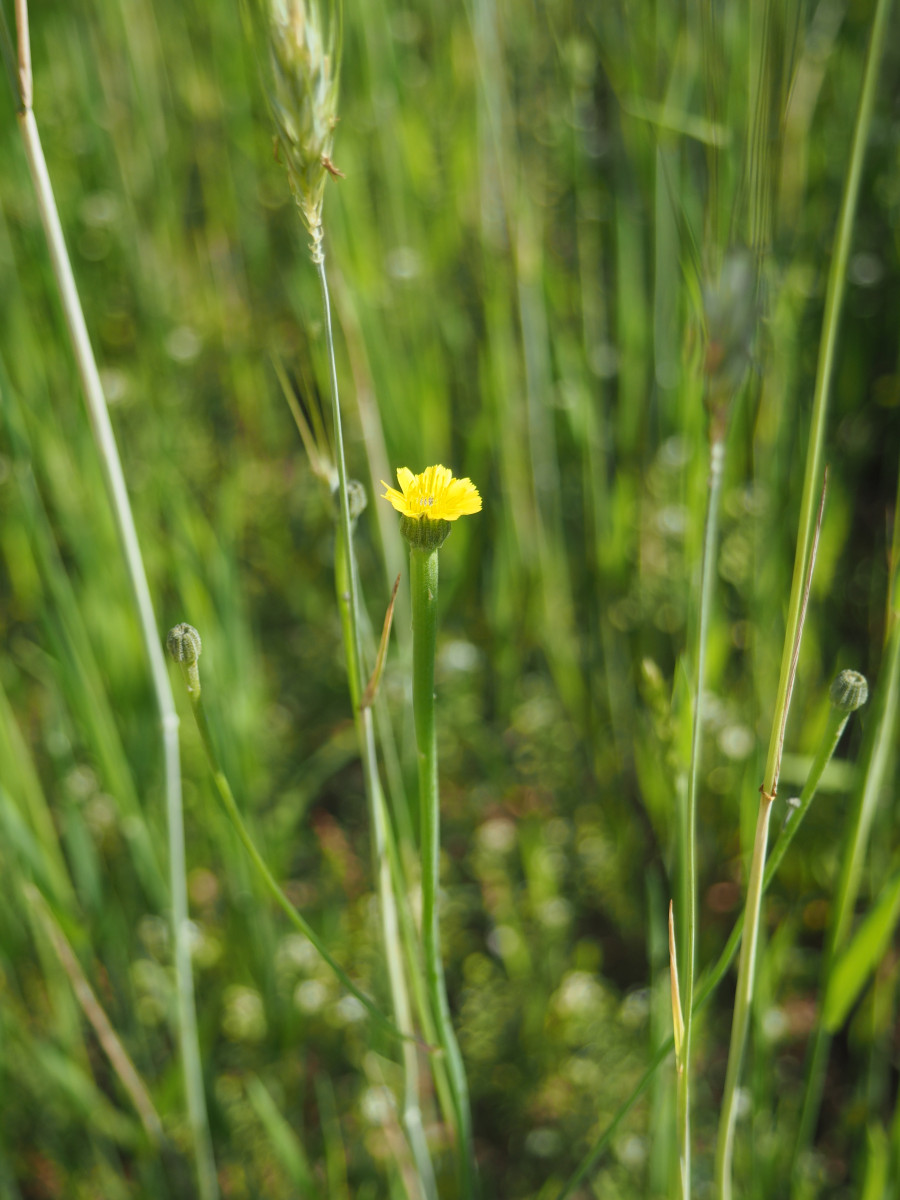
[(345, 548), (808, 532), (382, 835), (743, 1000), (423, 570), (837, 278), (837, 720), (348, 594), (877, 749), (418, 983), (118, 495), (753, 904), (707, 575), (234, 815), (100, 1023)]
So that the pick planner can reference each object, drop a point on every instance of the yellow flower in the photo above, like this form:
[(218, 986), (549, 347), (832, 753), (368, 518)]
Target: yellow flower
[(434, 494)]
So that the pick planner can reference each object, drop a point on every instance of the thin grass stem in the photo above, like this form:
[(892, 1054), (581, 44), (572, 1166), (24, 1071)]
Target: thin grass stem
[(707, 575), (118, 494), (384, 875), (878, 747), (348, 599), (191, 675), (106, 1036), (740, 1023), (715, 974), (837, 278), (807, 535), (743, 1000)]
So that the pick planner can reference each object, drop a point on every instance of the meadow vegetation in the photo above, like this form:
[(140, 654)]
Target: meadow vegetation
[(574, 251)]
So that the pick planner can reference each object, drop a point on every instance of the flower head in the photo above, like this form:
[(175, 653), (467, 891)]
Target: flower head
[(434, 494)]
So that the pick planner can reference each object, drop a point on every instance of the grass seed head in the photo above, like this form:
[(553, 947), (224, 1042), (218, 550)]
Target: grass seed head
[(731, 315), (304, 59)]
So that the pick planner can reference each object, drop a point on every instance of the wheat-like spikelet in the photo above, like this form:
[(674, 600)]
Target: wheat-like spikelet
[(304, 60)]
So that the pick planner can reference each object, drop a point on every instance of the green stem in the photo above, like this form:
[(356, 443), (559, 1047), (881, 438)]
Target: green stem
[(753, 904), (96, 1015), (348, 598), (743, 1001), (707, 575), (835, 727), (234, 815), (878, 747), (423, 570), (104, 438), (382, 838), (827, 349), (837, 278), (345, 545), (715, 975)]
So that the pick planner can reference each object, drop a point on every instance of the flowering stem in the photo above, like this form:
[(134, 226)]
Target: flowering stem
[(382, 839), (423, 570)]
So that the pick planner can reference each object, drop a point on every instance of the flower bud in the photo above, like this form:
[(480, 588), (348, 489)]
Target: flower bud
[(849, 691), (183, 643)]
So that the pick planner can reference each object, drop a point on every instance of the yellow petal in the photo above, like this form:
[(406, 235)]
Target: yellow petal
[(434, 494), (405, 478)]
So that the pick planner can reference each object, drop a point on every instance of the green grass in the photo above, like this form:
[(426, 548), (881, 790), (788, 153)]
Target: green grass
[(535, 201)]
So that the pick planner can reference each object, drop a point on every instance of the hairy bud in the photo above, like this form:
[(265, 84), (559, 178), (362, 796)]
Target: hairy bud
[(849, 691), (183, 643)]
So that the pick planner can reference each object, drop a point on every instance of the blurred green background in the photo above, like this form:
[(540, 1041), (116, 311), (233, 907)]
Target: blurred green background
[(536, 197)]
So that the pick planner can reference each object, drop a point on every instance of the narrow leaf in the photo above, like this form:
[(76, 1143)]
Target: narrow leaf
[(855, 966), (372, 686), (677, 1016), (286, 1146)]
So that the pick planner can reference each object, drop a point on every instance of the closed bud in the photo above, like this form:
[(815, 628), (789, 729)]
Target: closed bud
[(849, 691), (184, 645)]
